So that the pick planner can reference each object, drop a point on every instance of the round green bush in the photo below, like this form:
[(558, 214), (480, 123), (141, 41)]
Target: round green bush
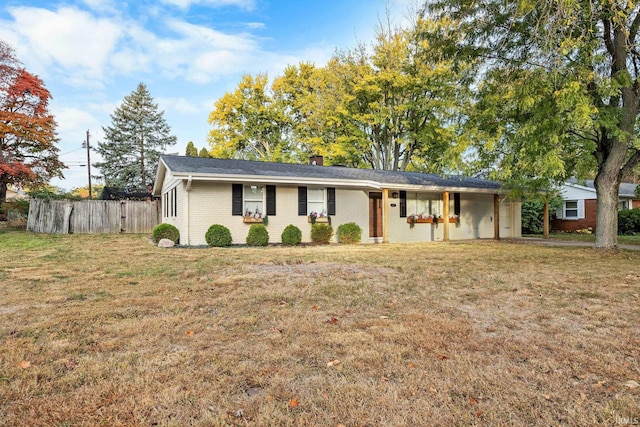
[(258, 235), (349, 233), (166, 231), (218, 235), (321, 233), (291, 235), (629, 221)]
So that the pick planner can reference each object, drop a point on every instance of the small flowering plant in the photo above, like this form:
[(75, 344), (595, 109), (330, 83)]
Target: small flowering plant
[(313, 216), (253, 214)]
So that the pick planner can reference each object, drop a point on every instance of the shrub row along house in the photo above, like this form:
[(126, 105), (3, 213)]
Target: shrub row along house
[(388, 206)]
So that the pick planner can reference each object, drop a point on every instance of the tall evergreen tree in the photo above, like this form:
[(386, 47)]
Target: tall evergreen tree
[(133, 143)]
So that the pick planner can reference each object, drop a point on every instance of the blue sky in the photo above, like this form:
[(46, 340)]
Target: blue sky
[(93, 53)]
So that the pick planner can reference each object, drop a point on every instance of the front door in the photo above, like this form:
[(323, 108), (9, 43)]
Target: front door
[(375, 214)]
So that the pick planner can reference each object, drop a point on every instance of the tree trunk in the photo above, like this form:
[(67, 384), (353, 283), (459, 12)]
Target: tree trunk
[(3, 192), (607, 189)]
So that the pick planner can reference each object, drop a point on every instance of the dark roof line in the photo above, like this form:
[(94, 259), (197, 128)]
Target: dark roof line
[(200, 165)]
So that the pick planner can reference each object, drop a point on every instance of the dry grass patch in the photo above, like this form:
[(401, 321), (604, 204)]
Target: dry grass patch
[(110, 330)]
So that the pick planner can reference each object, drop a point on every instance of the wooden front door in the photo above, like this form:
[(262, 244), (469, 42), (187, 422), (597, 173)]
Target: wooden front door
[(375, 214)]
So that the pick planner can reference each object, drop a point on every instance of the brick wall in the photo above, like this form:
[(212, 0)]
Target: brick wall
[(589, 219)]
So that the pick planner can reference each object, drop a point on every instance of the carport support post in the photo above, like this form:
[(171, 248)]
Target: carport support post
[(545, 219), (496, 216), (385, 215), (445, 214)]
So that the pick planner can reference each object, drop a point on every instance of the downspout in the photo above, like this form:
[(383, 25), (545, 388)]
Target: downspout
[(186, 196), (385, 215)]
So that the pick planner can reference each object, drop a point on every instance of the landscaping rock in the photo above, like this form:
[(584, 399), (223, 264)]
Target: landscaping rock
[(166, 243)]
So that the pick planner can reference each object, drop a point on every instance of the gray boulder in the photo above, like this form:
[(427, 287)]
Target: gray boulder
[(165, 243)]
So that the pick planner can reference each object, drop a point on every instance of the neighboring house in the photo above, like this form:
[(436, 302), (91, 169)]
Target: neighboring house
[(578, 209), (15, 193), (199, 192)]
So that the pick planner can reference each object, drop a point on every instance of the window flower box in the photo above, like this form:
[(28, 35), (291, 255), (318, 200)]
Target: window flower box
[(411, 220), (318, 219), (252, 220)]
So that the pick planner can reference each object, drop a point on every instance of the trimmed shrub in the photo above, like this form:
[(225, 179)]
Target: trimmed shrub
[(258, 235), (629, 221), (166, 231), (218, 235), (291, 235), (349, 233), (321, 233)]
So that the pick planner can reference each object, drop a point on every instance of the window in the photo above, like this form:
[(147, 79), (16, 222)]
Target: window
[(170, 203), (623, 204), (571, 209), (316, 202), (253, 200), (321, 201)]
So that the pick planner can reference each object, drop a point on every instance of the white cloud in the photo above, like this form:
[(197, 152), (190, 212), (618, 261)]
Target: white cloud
[(69, 38), (179, 105), (185, 4)]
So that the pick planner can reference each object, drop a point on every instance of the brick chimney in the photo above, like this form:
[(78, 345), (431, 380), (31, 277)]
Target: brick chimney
[(316, 160)]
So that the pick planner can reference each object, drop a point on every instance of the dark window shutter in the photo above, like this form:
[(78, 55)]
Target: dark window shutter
[(403, 204), (302, 201), (456, 203), (331, 201), (271, 200), (236, 199)]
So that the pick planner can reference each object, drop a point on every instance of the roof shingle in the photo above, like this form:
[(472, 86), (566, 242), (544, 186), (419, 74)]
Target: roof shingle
[(208, 166)]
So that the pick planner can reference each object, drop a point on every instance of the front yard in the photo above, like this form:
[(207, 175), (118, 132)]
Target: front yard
[(110, 330)]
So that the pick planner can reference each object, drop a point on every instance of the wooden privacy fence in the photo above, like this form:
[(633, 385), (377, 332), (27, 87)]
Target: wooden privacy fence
[(92, 216)]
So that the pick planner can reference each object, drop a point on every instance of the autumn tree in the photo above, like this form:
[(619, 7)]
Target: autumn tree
[(134, 142), (571, 70), (28, 154), (246, 123), (402, 102)]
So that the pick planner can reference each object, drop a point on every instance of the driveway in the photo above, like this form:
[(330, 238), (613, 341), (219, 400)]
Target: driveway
[(556, 242)]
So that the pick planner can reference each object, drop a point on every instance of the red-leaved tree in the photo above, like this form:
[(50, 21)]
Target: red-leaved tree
[(28, 152)]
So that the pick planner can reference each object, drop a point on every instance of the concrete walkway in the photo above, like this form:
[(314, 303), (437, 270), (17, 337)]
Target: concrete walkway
[(556, 242)]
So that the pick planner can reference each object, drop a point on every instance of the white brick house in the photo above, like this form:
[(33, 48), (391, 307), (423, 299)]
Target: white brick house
[(199, 192)]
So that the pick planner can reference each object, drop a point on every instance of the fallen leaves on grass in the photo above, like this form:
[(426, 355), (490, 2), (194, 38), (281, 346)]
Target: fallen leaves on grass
[(293, 403), (333, 363), (188, 333), (24, 364), (333, 320)]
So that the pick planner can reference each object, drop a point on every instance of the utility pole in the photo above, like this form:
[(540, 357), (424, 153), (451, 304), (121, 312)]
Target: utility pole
[(88, 161)]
